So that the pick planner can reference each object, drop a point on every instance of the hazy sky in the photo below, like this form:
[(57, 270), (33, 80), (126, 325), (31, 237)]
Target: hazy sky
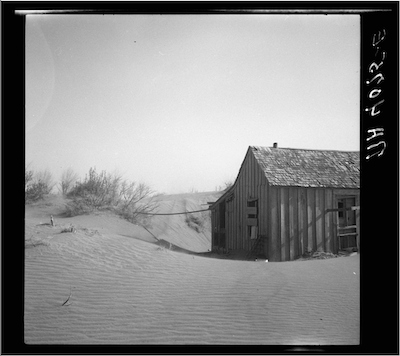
[(175, 100)]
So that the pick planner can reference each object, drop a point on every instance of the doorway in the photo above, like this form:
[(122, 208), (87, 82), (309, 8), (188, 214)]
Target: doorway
[(347, 229)]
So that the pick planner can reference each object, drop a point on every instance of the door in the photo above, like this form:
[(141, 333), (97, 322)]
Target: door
[(347, 217), (347, 232)]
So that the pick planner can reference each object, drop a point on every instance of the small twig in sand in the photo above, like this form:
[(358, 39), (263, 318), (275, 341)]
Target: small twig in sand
[(32, 243), (70, 293), (69, 229)]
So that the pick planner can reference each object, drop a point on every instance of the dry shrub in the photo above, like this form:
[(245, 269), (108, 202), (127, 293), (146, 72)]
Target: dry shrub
[(37, 185), (195, 222), (77, 207), (68, 180), (104, 191)]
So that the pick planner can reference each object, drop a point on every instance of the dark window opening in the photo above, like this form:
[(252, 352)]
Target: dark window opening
[(340, 206), (248, 231), (252, 232), (252, 203)]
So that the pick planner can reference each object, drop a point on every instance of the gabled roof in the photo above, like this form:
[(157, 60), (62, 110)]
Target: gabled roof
[(309, 168)]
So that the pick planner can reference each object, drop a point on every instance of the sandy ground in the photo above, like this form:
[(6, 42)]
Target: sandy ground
[(125, 289), (174, 228)]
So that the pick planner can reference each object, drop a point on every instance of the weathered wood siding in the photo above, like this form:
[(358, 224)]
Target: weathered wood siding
[(299, 221), (274, 238), (251, 183)]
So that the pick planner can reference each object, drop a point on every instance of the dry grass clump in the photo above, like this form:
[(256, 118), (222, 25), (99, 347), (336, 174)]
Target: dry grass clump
[(195, 222), (320, 255), (70, 228)]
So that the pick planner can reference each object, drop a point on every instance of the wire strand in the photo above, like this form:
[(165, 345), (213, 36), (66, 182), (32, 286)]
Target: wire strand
[(187, 212)]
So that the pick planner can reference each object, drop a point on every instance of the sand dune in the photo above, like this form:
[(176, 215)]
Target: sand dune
[(174, 228), (124, 290)]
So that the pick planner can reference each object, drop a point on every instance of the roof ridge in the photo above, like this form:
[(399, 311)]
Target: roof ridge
[(302, 149)]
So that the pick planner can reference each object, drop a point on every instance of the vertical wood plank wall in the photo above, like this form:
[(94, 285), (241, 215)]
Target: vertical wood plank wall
[(319, 214), (310, 202), (299, 222), (302, 220), (329, 227), (294, 223), (251, 183), (284, 212), (274, 238)]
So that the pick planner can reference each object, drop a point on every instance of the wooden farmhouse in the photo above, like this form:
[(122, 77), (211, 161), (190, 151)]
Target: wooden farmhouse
[(286, 202)]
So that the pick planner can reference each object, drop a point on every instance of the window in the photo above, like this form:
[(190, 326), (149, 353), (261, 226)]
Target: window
[(251, 209), (252, 215), (252, 203), (252, 232)]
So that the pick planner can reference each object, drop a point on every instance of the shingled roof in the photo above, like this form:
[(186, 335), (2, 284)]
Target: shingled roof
[(309, 168)]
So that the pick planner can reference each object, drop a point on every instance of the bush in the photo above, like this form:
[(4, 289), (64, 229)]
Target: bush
[(28, 178), (77, 207), (68, 179), (35, 191), (37, 185), (103, 191), (95, 192)]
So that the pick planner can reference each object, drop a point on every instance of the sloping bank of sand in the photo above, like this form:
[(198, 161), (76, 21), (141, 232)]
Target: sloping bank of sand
[(127, 291), (175, 229)]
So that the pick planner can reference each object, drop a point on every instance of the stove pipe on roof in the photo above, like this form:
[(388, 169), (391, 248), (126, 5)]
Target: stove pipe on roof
[(275, 145)]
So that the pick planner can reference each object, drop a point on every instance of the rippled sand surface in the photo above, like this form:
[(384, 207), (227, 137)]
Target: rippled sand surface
[(125, 290)]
